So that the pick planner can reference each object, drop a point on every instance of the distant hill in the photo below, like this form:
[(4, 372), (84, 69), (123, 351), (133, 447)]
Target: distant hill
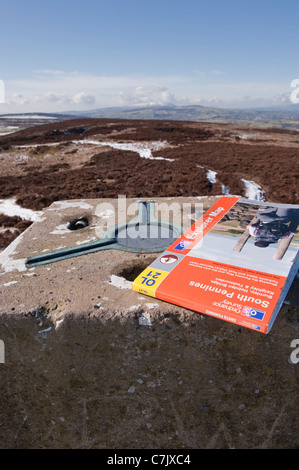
[(281, 118), (10, 123)]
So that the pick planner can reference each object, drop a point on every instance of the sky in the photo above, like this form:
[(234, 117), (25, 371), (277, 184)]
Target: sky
[(82, 55)]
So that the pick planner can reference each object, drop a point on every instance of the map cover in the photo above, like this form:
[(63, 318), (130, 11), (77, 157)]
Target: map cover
[(235, 263)]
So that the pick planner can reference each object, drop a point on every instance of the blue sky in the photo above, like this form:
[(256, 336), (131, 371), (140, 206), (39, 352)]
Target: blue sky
[(63, 55)]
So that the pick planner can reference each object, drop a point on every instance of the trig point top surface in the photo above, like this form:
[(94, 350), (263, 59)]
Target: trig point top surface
[(98, 282)]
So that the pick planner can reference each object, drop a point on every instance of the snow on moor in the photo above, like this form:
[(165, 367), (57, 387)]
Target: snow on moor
[(10, 208)]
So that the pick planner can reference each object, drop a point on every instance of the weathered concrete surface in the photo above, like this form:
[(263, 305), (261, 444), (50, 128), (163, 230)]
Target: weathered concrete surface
[(89, 363)]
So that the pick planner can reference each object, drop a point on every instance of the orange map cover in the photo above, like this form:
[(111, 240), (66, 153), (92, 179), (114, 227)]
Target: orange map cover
[(236, 263)]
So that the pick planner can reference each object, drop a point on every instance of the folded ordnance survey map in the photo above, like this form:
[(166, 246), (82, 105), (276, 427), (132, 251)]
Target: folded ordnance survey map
[(236, 263)]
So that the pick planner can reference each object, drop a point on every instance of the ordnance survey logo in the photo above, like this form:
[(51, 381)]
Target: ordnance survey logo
[(252, 312), (2, 92), (182, 245)]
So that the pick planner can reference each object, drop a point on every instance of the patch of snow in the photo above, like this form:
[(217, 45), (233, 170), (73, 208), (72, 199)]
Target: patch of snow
[(11, 208), (8, 229), (152, 305), (7, 260), (225, 190), (60, 230), (33, 146), (16, 158), (8, 130), (10, 283), (133, 308), (145, 319), (58, 323), (247, 136), (106, 214), (21, 158), (28, 116), (71, 269), (211, 175), (143, 149), (46, 330), (86, 241), (58, 205), (120, 282), (253, 191)]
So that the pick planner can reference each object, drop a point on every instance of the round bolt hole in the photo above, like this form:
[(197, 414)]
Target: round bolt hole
[(78, 224)]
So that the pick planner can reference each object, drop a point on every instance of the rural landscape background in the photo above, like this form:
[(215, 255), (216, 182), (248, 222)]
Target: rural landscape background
[(47, 158)]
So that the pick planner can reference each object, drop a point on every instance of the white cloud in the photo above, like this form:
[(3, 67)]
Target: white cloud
[(84, 98), (146, 96), (58, 90), (17, 99), (55, 90), (51, 98), (66, 99)]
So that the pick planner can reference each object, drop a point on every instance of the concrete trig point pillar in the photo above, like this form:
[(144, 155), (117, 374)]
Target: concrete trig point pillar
[(90, 363)]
